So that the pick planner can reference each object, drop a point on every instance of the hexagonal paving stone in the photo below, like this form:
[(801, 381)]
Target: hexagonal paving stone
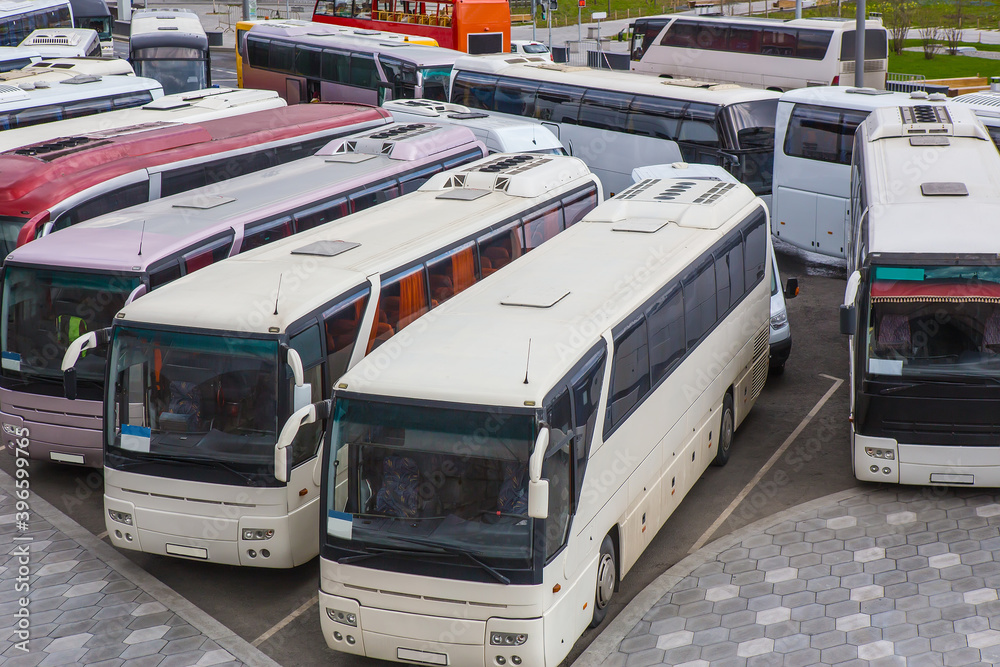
[(773, 615), (875, 650), (755, 647), (980, 596), (853, 622)]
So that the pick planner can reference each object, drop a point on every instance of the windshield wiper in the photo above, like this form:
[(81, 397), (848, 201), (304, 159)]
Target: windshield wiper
[(205, 463), (372, 552), (947, 380), (455, 551)]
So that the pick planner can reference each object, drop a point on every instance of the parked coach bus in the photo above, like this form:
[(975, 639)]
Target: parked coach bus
[(922, 304), (59, 69), (321, 62), (61, 287), (814, 142), (468, 517), (764, 53), (170, 46), (616, 121), (95, 15), (243, 26), (204, 458), (64, 43), (19, 17), (37, 98), (472, 26), (51, 185)]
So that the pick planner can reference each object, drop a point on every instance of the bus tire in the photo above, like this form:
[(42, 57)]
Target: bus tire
[(725, 432), (607, 571)]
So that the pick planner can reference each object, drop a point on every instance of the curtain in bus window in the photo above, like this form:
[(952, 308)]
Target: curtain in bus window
[(665, 319), (399, 303), (655, 117), (341, 324), (876, 45), (712, 37), (778, 42), (499, 250), (605, 110), (699, 303), (307, 62), (336, 66), (574, 209), (452, 273), (541, 226), (629, 374), (474, 90), (744, 39), (516, 97), (412, 298), (682, 33), (700, 126), (813, 44), (557, 103)]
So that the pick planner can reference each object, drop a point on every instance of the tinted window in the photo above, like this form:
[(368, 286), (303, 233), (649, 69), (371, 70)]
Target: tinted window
[(307, 62), (754, 250), (163, 275), (132, 100), (268, 232), (342, 324), (655, 117), (452, 273), (400, 302), (682, 33), (734, 259), (257, 50), (363, 72), (130, 195), (778, 42), (558, 104), (712, 37), (699, 303), (629, 374), (876, 45), (516, 97), (499, 249), (319, 215), (699, 126), (822, 133), (474, 90), (336, 66), (586, 397), (411, 181), (86, 107), (813, 44), (541, 226), (605, 110), (209, 253), (580, 205), (282, 57), (722, 292), (744, 39), (665, 319), (557, 469)]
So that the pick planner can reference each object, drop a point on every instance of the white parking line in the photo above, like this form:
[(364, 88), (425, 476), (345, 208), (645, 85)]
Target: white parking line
[(313, 601), (102, 535), (767, 466)]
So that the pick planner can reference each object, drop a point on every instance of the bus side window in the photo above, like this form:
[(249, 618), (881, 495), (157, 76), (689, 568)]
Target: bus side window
[(722, 288), (314, 217), (699, 302), (261, 235), (629, 374), (363, 72), (108, 202), (586, 398), (574, 209), (734, 260), (699, 126), (655, 117), (541, 226), (164, 274), (36, 115), (307, 344), (208, 253), (556, 469), (411, 181), (754, 250), (257, 51), (452, 273), (499, 249), (474, 90), (183, 179), (336, 66), (665, 319), (400, 302), (342, 324)]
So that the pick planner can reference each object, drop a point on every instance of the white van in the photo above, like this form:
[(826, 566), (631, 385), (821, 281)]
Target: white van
[(64, 42), (780, 332), (501, 135)]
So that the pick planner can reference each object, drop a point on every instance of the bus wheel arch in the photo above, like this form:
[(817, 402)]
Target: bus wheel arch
[(606, 583), (727, 427)]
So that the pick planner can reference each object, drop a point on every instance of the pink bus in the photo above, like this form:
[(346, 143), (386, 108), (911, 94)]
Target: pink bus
[(60, 287)]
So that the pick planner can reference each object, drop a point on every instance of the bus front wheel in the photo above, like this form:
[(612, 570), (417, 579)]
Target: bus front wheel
[(606, 578), (725, 432)]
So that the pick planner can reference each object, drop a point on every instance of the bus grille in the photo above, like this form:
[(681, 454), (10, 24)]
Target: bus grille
[(760, 344), (847, 66)]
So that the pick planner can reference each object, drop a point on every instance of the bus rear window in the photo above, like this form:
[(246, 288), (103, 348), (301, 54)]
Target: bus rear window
[(876, 45), (821, 133)]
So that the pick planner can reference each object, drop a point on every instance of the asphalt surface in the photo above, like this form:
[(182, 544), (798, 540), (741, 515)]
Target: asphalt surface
[(278, 605)]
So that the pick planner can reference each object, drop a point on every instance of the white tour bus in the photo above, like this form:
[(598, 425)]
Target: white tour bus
[(64, 43), (95, 15), (193, 107), (171, 46), (82, 95), (759, 52), (814, 140), (499, 134), (211, 376), (616, 121), (59, 69), (922, 304), (474, 513), (14, 57), (19, 17)]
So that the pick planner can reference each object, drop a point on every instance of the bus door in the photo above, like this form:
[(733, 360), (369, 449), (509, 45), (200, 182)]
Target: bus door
[(401, 78), (293, 91)]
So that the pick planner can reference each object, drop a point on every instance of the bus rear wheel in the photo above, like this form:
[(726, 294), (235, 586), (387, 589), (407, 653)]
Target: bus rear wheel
[(606, 579), (725, 432)]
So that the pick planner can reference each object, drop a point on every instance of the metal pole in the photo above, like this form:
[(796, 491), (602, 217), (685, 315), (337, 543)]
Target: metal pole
[(125, 10), (534, 21), (579, 23), (798, 9), (548, 16), (859, 45), (246, 10)]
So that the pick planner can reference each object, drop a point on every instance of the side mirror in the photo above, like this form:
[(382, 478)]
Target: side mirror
[(293, 359), (848, 320), (538, 488), (87, 341), (282, 449), (791, 288)]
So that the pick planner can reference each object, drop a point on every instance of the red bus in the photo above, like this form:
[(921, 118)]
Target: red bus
[(473, 26), (48, 186)]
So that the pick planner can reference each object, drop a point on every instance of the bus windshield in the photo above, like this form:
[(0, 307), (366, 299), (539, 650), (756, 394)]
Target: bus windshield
[(435, 82), (178, 69), (192, 397), (753, 126), (100, 24), (935, 322), (45, 310), (442, 478), (10, 227)]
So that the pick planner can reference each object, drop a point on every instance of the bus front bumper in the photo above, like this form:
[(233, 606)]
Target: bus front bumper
[(77, 443), (430, 640), (886, 460)]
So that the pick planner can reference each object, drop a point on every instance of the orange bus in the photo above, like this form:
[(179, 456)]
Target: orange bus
[(473, 26)]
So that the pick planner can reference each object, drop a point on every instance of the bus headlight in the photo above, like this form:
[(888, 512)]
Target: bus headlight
[(257, 533), (345, 617), (507, 638), (779, 320), (877, 453), (120, 517)]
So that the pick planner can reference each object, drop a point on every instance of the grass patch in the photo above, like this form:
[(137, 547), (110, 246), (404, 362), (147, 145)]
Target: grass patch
[(978, 47), (941, 66)]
